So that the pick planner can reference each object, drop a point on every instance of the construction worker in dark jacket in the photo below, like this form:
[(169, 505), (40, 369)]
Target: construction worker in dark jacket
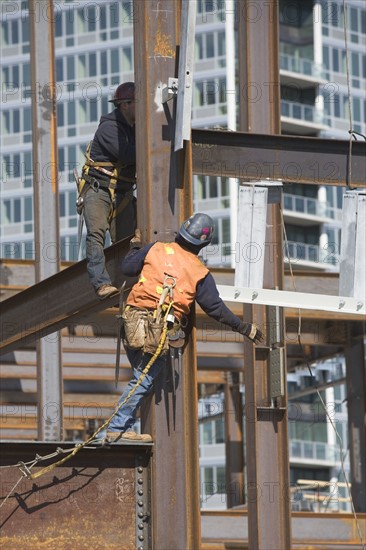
[(107, 184), (171, 277)]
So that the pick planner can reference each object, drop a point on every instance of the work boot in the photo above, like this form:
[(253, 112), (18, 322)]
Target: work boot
[(106, 290), (111, 437), (133, 436)]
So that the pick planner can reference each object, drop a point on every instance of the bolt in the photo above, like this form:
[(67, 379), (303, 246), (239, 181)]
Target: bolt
[(140, 492), (140, 514), (141, 537), (140, 470), (140, 526), (140, 503), (140, 480)]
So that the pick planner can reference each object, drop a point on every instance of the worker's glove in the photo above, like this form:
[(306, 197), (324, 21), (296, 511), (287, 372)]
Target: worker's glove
[(136, 242), (251, 331)]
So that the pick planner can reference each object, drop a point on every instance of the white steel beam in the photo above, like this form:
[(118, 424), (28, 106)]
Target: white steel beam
[(298, 300)]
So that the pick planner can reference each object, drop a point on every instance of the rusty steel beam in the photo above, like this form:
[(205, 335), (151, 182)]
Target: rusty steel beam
[(288, 159), (164, 200), (234, 447), (310, 530), (100, 498), (266, 433), (39, 310), (356, 406)]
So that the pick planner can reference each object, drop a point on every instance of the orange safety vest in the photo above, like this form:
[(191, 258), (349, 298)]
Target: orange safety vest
[(168, 259)]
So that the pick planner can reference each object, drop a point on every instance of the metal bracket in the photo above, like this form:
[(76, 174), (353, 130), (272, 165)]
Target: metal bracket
[(143, 503), (170, 91), (276, 374), (276, 359)]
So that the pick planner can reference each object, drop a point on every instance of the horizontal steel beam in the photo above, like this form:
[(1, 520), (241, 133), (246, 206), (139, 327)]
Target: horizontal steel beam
[(337, 530), (287, 159), (64, 298), (298, 300)]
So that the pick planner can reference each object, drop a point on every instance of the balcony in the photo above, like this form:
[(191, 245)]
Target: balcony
[(300, 118), (310, 256), (313, 451), (311, 210), (301, 72)]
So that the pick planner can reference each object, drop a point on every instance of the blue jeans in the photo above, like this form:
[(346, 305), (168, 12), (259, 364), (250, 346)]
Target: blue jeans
[(126, 416), (97, 216)]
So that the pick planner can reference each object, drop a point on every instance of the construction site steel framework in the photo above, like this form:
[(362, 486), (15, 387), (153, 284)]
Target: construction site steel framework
[(164, 477)]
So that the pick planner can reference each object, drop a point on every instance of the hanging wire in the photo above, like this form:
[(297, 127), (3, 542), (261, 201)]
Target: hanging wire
[(11, 491), (339, 438), (350, 131)]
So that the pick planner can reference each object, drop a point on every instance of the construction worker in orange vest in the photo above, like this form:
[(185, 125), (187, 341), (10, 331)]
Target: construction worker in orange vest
[(171, 278)]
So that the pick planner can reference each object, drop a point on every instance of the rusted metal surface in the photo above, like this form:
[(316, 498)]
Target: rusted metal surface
[(164, 200), (266, 431), (234, 446), (39, 311), (290, 159), (92, 501), (356, 406)]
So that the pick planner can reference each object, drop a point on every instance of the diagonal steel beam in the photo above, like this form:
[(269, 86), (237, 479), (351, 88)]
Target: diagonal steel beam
[(291, 159), (56, 301)]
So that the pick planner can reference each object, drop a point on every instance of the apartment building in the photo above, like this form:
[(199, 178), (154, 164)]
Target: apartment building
[(94, 53)]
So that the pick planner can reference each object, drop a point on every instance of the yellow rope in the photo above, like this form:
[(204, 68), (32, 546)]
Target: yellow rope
[(105, 424)]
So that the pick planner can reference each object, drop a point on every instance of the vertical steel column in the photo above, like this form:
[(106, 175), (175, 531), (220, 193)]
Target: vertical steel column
[(266, 419), (356, 403), (164, 200), (46, 207), (234, 449)]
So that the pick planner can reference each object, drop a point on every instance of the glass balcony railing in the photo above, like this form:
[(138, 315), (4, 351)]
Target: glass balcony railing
[(311, 206), (221, 254), (301, 65), (300, 111), (295, 252), (313, 450)]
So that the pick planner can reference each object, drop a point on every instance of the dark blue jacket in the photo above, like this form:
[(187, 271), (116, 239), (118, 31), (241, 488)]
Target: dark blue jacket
[(114, 141)]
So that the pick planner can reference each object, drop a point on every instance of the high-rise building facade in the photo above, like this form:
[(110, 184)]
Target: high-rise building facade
[(322, 75), (94, 52)]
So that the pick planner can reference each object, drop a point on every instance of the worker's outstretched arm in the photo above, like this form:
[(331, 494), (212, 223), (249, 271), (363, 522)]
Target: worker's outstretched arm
[(207, 296)]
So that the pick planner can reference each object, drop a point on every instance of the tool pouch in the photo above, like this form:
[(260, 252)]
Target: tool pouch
[(134, 324), (154, 331)]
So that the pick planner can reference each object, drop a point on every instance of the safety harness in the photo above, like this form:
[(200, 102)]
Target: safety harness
[(113, 172)]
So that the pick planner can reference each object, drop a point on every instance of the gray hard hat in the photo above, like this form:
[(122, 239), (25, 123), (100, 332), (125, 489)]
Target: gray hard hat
[(197, 230)]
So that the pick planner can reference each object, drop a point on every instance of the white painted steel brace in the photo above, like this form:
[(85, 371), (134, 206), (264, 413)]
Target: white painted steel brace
[(298, 300)]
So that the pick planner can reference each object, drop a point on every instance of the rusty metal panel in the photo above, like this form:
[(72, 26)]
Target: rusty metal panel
[(98, 499), (290, 159), (356, 403)]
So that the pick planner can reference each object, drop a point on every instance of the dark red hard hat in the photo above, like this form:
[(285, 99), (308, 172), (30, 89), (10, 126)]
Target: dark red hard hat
[(124, 91)]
